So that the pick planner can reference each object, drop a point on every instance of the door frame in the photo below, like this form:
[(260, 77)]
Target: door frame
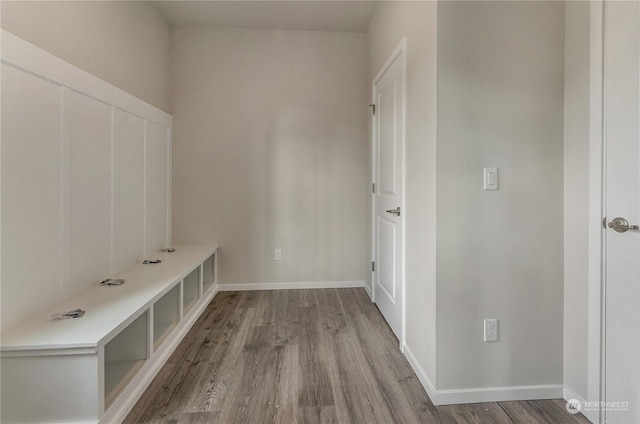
[(597, 199), (400, 50)]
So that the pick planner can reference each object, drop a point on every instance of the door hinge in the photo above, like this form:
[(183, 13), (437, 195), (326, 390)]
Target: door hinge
[(373, 266), (373, 188), (373, 108)]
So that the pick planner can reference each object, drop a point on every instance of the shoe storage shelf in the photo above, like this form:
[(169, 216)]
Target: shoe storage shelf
[(94, 368)]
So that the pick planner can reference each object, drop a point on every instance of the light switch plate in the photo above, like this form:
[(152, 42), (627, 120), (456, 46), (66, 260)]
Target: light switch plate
[(490, 178)]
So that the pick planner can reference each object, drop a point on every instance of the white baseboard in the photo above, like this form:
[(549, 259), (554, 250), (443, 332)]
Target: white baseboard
[(285, 286), (422, 376), (483, 394), (568, 393), (368, 290), (123, 404)]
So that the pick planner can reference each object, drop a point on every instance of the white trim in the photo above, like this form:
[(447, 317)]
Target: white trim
[(123, 404), (481, 394), (595, 317), (368, 290), (568, 393), (424, 379), (497, 394), (169, 239), (374, 180), (144, 187), (372, 198), (23, 55), (400, 50), (112, 192), (403, 300), (290, 286)]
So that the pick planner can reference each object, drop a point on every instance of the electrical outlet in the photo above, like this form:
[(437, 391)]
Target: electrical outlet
[(277, 255), (491, 330)]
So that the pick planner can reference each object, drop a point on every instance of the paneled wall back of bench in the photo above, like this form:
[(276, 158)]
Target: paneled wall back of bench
[(86, 184)]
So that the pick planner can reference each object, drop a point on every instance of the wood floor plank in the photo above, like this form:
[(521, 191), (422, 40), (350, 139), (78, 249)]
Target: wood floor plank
[(225, 363), (486, 413), (315, 386), (265, 310), (332, 318), (153, 403), (388, 368), (541, 411), (146, 406), (194, 377), (317, 415), (286, 317), (286, 391), (306, 357), (255, 400), (362, 393), (213, 321), (193, 418), (307, 298)]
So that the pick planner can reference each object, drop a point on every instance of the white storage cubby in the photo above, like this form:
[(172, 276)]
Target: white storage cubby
[(124, 355), (165, 315), (190, 290), (93, 369)]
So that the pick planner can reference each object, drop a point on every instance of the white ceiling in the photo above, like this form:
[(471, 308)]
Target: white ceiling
[(310, 15)]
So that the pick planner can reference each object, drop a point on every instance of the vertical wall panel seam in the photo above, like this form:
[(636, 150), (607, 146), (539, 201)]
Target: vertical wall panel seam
[(168, 240), (113, 191), (65, 194), (61, 241), (144, 190)]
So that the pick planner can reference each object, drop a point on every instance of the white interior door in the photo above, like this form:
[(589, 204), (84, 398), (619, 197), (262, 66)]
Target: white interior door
[(388, 92), (622, 246)]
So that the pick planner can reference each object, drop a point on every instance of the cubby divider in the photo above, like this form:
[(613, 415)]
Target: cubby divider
[(208, 272), (190, 290), (165, 315)]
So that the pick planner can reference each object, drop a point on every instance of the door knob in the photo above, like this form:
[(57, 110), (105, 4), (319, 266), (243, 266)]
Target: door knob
[(394, 211), (621, 225)]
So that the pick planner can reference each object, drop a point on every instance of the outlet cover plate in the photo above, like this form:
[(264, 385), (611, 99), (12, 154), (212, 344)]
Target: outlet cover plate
[(491, 330)]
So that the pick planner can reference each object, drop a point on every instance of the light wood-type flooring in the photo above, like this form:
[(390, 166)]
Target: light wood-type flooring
[(307, 357)]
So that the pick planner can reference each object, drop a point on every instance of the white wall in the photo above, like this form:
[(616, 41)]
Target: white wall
[(125, 43), (270, 151), (576, 195), (500, 253), (417, 21), (75, 199)]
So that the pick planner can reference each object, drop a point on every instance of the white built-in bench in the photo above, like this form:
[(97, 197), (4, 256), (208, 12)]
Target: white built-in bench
[(94, 368)]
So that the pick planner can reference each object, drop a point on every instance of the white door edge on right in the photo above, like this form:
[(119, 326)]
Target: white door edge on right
[(622, 208)]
